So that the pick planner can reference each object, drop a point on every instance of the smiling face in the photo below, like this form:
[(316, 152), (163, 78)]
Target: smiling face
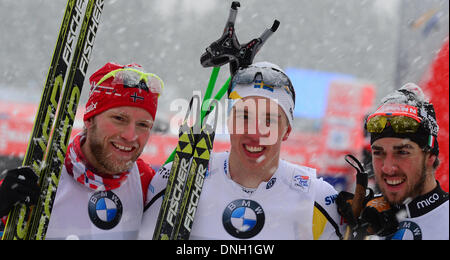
[(258, 126), (116, 138), (402, 169)]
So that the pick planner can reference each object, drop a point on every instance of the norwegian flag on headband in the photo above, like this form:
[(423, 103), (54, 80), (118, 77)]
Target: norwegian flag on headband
[(116, 92)]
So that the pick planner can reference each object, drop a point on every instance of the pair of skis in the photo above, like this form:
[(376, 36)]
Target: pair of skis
[(192, 154), (59, 100), (189, 167)]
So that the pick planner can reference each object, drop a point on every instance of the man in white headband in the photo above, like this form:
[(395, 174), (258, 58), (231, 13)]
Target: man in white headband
[(249, 193)]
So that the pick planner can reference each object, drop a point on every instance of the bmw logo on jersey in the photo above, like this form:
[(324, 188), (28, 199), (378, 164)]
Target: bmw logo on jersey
[(105, 209), (407, 230), (243, 218)]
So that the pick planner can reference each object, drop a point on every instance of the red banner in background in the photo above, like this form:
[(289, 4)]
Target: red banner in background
[(436, 84), (343, 124), (16, 124)]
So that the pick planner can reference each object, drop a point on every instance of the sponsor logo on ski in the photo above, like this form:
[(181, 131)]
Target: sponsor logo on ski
[(91, 33), (71, 37), (193, 203), (178, 190)]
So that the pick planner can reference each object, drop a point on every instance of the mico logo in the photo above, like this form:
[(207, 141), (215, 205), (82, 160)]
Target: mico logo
[(427, 202)]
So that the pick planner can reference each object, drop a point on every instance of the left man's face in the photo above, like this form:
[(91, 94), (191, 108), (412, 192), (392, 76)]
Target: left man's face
[(116, 138)]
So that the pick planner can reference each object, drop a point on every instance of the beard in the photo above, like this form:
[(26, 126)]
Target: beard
[(98, 147), (412, 191)]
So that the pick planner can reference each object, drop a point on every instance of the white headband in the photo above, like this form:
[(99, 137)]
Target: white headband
[(279, 95)]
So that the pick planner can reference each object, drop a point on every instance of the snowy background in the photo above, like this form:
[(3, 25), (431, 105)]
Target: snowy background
[(385, 42), (382, 41)]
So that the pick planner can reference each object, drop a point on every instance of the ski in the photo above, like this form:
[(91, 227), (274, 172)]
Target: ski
[(16, 226), (165, 224), (54, 162), (186, 178), (197, 174)]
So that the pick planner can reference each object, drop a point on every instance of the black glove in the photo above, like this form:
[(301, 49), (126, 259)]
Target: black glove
[(380, 217), (19, 185), (344, 207), (345, 199)]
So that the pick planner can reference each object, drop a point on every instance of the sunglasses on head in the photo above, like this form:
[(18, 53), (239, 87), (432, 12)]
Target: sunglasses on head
[(402, 118), (400, 124), (131, 77), (266, 77)]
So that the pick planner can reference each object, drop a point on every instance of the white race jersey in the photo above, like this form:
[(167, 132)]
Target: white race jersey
[(424, 218), (293, 204), (83, 213), (85, 209)]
